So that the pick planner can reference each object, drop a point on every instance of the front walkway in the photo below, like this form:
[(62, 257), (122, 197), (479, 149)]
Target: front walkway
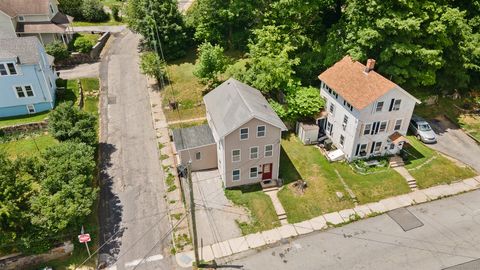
[(253, 241)]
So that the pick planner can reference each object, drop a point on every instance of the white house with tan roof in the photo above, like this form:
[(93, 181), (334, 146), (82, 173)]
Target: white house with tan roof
[(367, 114), (39, 18)]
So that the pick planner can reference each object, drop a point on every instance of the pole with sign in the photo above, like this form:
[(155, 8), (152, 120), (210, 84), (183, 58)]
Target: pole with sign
[(85, 238)]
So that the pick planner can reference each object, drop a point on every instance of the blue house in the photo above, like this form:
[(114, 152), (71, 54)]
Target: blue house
[(27, 77)]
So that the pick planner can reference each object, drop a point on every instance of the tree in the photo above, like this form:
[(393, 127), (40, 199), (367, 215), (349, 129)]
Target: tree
[(66, 195), (58, 50), (211, 63), (67, 122), (305, 102), (159, 19), (71, 7), (92, 11), (152, 65), (83, 44), (270, 66)]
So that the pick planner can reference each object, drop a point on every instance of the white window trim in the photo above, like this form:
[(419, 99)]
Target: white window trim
[(250, 173), (330, 111), (239, 155), (386, 126), (376, 106), (395, 124), (264, 131), (34, 110), (365, 128), (24, 91), (400, 104), (379, 148), (239, 175), (265, 150), (17, 69), (340, 140), (250, 152), (248, 134)]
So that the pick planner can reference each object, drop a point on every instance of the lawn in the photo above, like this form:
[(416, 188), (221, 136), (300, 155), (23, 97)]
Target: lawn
[(430, 168), (23, 119), (33, 144), (110, 22), (263, 216), (308, 163), (470, 122)]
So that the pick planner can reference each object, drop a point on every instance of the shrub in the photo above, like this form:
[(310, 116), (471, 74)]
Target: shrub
[(152, 65), (92, 11), (83, 44), (58, 50), (116, 13), (68, 123), (211, 63)]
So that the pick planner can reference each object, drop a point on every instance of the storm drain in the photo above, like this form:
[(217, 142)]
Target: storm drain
[(471, 265), (405, 219), (112, 100)]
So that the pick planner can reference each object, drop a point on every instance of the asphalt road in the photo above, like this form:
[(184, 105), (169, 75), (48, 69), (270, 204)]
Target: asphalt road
[(454, 142), (450, 236), (132, 212)]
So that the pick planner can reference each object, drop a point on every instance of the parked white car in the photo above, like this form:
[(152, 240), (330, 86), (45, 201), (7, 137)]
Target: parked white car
[(422, 130)]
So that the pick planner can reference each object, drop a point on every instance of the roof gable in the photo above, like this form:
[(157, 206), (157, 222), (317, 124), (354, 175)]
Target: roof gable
[(232, 104), (348, 78), (25, 48)]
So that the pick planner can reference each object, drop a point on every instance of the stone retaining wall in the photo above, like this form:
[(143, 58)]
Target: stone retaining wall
[(19, 261), (29, 127), (97, 49)]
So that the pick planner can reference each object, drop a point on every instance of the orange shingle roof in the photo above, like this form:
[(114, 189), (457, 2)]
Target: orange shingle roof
[(347, 77), (397, 137)]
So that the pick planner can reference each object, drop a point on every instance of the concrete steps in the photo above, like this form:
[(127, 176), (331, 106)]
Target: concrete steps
[(396, 161), (412, 183), (281, 214)]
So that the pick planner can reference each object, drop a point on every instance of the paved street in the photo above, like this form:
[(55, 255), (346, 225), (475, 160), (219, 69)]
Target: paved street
[(454, 142), (132, 210), (450, 236)]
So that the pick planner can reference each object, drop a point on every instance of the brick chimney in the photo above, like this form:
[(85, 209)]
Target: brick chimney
[(370, 65)]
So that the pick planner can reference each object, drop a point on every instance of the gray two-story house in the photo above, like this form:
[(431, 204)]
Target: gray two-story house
[(242, 137)]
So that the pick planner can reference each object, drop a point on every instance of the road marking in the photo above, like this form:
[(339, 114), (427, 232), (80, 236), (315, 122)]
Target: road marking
[(142, 261)]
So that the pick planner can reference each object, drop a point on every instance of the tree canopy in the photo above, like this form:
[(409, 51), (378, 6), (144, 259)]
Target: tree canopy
[(211, 63)]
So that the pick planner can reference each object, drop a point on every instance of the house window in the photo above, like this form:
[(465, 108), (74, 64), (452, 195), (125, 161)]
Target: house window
[(8, 69), (254, 152), (24, 91), (198, 155), (345, 122), (342, 140), (396, 105), (383, 126), (367, 129), (30, 109), (348, 105), (361, 150), (236, 175), (261, 131), (379, 106), (392, 146), (243, 133), (330, 128), (253, 172), (378, 145), (236, 155), (268, 150), (21, 18), (332, 109), (398, 124)]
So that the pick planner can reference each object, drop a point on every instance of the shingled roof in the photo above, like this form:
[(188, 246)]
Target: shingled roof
[(232, 104), (24, 7), (348, 78), (25, 48), (192, 137)]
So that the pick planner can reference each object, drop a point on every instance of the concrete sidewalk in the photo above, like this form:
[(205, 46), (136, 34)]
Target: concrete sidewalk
[(252, 241)]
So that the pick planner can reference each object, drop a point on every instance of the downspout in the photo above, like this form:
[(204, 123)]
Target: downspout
[(46, 85)]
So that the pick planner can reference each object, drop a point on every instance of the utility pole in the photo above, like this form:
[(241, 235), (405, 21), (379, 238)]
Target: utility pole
[(192, 211)]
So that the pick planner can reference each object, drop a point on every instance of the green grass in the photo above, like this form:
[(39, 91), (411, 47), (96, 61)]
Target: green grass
[(263, 216), (28, 146), (91, 87), (23, 119), (308, 163), (110, 22), (440, 170), (187, 124)]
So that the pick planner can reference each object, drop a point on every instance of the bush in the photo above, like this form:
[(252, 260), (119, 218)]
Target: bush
[(58, 50), (92, 11), (211, 63), (152, 65), (68, 123), (116, 13), (83, 44)]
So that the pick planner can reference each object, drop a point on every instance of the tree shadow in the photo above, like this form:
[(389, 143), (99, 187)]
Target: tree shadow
[(441, 124), (410, 153), (288, 171), (110, 209)]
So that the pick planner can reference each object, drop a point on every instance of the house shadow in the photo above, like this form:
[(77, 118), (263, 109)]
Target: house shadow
[(109, 210), (442, 124), (410, 153), (288, 171)]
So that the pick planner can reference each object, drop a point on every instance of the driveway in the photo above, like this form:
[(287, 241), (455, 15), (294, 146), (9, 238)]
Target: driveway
[(215, 214), (132, 212), (90, 70), (107, 28), (450, 236), (453, 142)]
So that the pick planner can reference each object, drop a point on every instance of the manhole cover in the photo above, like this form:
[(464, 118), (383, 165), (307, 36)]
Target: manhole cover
[(405, 219), (471, 265), (112, 100)]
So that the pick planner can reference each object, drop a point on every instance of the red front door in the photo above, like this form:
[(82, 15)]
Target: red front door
[(267, 171)]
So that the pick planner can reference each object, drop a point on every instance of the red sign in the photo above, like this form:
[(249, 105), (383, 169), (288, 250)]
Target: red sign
[(83, 238)]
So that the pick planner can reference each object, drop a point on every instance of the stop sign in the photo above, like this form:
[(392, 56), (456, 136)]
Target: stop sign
[(83, 238)]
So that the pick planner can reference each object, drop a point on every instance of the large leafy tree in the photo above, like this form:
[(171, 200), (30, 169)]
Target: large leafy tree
[(72, 8), (211, 63), (159, 20), (305, 102), (416, 43), (68, 122)]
